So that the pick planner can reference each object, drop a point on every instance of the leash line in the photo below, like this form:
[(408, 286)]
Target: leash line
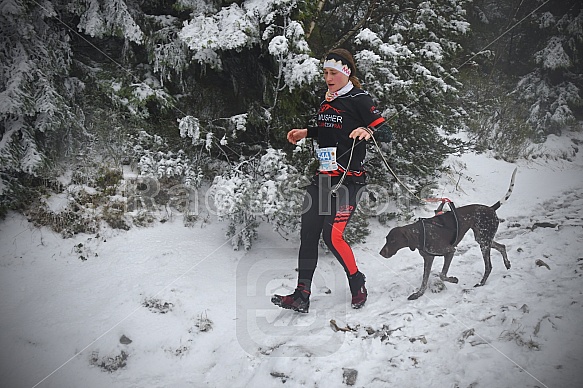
[(391, 170), (345, 172), (386, 163)]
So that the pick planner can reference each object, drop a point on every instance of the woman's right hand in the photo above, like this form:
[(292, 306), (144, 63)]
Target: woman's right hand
[(295, 135)]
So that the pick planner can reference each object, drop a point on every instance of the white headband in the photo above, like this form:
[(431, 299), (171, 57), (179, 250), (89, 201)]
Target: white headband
[(337, 65)]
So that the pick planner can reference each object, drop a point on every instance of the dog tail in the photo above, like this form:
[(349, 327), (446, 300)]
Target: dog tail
[(508, 193)]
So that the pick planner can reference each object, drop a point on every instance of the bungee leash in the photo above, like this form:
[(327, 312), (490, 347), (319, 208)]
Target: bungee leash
[(334, 190), (345, 172), (389, 167)]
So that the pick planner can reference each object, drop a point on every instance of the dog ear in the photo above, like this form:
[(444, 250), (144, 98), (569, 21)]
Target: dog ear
[(411, 239)]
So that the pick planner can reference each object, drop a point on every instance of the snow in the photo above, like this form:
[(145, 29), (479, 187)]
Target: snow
[(301, 69), (111, 16), (547, 20), (432, 50), (198, 314), (393, 50), (553, 56), (229, 29), (278, 46), (189, 126)]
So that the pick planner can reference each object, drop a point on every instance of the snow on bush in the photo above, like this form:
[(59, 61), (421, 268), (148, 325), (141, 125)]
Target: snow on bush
[(278, 46), (189, 126), (549, 105), (553, 56), (230, 29), (300, 70), (109, 17), (258, 190), (238, 27)]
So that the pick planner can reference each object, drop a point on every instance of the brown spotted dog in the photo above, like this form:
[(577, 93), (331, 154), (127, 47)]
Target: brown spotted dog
[(438, 236)]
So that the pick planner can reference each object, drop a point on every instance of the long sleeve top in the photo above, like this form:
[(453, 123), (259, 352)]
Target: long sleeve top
[(335, 121)]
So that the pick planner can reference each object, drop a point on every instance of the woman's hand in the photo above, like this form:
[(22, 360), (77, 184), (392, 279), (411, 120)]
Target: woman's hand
[(360, 133), (295, 135)]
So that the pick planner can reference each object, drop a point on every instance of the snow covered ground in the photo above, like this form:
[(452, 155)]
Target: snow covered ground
[(170, 306)]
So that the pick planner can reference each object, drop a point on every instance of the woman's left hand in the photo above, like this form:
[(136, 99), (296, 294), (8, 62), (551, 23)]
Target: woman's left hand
[(360, 133)]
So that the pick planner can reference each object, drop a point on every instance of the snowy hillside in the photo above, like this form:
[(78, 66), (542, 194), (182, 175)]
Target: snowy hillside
[(170, 306)]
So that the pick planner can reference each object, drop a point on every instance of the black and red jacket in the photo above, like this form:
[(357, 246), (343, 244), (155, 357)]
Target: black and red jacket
[(336, 119)]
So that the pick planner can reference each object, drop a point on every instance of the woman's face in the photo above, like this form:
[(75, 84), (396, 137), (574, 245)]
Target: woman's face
[(335, 79)]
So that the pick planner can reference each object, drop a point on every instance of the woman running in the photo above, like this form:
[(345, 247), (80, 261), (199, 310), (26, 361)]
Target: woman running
[(346, 119)]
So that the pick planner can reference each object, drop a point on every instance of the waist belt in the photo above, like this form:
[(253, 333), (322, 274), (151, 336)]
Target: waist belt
[(340, 171)]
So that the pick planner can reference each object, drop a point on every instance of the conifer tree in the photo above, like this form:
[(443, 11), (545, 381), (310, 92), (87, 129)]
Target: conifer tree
[(405, 53), (38, 115), (208, 89), (526, 84)]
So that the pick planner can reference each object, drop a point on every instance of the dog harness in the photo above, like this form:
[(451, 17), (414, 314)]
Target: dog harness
[(437, 220)]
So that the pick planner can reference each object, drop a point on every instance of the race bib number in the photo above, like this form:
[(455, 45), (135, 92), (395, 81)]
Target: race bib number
[(327, 158)]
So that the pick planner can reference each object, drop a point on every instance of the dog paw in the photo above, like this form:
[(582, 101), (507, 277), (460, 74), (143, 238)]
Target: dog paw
[(451, 279)]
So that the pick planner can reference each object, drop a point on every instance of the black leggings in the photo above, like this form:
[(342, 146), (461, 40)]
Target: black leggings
[(327, 215)]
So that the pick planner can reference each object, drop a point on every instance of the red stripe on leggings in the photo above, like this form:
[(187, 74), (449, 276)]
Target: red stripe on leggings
[(341, 245)]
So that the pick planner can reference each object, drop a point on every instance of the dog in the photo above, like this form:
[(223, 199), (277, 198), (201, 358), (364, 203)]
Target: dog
[(438, 236)]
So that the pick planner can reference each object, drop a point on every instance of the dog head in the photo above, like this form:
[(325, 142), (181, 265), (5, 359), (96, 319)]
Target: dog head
[(399, 237)]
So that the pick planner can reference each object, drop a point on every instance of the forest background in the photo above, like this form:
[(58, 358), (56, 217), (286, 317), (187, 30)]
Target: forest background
[(135, 111)]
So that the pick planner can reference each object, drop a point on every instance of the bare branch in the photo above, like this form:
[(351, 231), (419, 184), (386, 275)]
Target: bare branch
[(371, 8), (321, 4)]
